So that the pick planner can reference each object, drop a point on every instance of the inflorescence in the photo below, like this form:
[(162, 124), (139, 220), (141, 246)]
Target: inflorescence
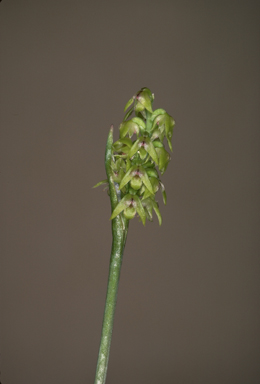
[(136, 163)]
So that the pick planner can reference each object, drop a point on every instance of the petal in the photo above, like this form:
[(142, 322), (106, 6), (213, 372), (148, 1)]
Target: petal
[(149, 164), (150, 149), (163, 193), (120, 206), (167, 123), (145, 100), (128, 164), (118, 176), (126, 141), (152, 172), (157, 144), (129, 113), (140, 208), (157, 112), (128, 176), (128, 127), (164, 197), (142, 153), (158, 121), (155, 184), (150, 203), (139, 107), (134, 148), (147, 194), (164, 159), (169, 143), (157, 134), (148, 208), (130, 102), (145, 179), (157, 211), (148, 91), (119, 143), (140, 122)]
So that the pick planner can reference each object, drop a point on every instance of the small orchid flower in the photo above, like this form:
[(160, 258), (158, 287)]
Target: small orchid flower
[(130, 205), (164, 158), (131, 127), (137, 176), (149, 205), (118, 170), (165, 123), (144, 101), (144, 145), (122, 147)]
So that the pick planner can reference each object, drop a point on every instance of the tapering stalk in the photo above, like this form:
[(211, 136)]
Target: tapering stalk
[(119, 233)]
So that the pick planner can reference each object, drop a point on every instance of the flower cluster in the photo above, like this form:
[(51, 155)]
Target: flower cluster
[(136, 163)]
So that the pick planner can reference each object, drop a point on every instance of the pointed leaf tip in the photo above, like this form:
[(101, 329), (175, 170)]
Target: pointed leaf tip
[(130, 102)]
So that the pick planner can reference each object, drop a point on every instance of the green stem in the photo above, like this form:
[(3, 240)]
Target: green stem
[(119, 233)]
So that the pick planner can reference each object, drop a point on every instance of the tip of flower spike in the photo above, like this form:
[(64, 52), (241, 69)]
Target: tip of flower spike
[(112, 128)]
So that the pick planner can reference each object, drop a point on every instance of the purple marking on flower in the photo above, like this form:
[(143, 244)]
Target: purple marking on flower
[(143, 144), (137, 172), (131, 203)]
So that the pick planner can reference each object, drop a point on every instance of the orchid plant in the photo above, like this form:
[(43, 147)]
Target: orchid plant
[(133, 164)]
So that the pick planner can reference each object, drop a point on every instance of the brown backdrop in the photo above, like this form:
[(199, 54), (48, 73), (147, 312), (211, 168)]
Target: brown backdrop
[(188, 305)]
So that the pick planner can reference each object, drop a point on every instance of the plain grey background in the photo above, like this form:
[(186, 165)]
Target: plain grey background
[(188, 304)]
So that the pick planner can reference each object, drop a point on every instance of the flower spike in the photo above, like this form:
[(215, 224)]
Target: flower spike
[(135, 163)]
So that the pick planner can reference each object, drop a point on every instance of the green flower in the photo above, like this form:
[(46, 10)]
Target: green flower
[(130, 205), (144, 145), (156, 185), (122, 147), (164, 158), (144, 100), (118, 170), (131, 127), (137, 176), (149, 205), (165, 124)]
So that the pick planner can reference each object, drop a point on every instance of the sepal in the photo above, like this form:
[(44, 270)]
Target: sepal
[(128, 127), (130, 204), (128, 113), (164, 159), (138, 176), (165, 124), (149, 205), (144, 101), (144, 142), (130, 102)]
